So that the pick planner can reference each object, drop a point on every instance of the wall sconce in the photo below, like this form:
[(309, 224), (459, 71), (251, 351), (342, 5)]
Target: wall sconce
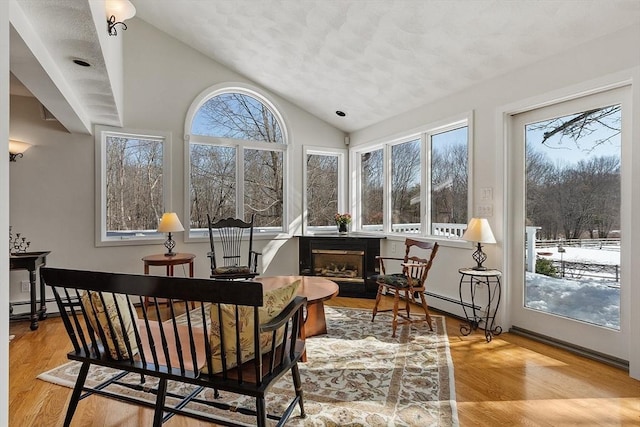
[(170, 223), (16, 148), (118, 11)]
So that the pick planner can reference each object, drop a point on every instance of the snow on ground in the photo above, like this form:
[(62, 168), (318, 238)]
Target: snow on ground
[(609, 255), (590, 300)]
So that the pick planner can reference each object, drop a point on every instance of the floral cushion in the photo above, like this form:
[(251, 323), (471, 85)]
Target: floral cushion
[(396, 280), (232, 270), (274, 302), (97, 314)]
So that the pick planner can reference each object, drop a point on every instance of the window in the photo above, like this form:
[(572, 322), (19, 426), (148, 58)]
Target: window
[(371, 187), (405, 186), (415, 184), (323, 188), (449, 178), (237, 160), (132, 178)]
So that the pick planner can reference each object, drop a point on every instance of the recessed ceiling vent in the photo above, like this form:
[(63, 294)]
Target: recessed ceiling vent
[(46, 114)]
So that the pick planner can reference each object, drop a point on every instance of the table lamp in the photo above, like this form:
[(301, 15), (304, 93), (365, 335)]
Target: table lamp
[(479, 231), (169, 223)]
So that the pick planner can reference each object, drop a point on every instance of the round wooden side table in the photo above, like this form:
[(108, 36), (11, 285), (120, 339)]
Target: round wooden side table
[(169, 262)]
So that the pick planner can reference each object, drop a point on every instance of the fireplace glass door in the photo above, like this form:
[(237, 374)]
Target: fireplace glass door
[(344, 264)]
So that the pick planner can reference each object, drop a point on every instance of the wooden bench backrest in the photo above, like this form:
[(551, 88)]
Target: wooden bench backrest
[(172, 346)]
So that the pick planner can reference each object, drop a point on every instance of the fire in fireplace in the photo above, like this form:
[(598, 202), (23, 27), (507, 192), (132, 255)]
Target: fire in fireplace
[(344, 264)]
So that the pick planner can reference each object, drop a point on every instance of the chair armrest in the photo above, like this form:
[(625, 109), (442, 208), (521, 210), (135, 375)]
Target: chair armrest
[(413, 264), (390, 258), (287, 313)]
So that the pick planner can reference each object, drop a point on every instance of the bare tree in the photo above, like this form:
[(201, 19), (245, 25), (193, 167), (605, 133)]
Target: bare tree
[(322, 189), (133, 183), (603, 123), (405, 182), (372, 187), (571, 200), (214, 177), (449, 184)]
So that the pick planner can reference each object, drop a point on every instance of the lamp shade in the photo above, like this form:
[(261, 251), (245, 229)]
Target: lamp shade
[(170, 223), (18, 147), (121, 9), (479, 231)]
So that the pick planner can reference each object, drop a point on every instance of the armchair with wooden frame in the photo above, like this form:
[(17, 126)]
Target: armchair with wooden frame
[(228, 263), (409, 284)]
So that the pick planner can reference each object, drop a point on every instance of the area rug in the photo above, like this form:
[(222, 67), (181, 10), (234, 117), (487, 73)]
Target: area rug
[(356, 375)]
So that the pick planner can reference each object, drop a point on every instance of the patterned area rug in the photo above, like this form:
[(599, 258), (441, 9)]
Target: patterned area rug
[(356, 375)]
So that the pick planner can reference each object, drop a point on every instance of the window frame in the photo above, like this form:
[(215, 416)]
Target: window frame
[(240, 145), (424, 133), (100, 135), (341, 154)]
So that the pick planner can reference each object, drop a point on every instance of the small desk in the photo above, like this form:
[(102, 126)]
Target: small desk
[(474, 278), (169, 262), (31, 261)]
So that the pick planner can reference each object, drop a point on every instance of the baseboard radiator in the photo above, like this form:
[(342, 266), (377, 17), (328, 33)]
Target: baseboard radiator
[(581, 351)]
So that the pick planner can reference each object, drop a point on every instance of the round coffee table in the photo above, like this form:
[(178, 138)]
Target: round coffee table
[(316, 289)]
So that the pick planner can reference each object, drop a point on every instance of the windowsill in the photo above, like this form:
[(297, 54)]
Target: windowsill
[(442, 241)]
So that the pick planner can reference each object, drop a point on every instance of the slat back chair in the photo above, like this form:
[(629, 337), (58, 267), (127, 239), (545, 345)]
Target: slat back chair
[(409, 284), (104, 328), (229, 262)]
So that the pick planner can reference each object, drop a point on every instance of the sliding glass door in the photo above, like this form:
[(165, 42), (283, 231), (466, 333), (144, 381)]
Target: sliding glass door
[(568, 216)]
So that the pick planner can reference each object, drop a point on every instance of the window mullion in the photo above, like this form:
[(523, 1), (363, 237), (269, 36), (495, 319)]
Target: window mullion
[(386, 188), (427, 228), (240, 150), (425, 196)]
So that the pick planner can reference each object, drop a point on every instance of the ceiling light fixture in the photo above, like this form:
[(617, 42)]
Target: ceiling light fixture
[(16, 148), (118, 11), (341, 113)]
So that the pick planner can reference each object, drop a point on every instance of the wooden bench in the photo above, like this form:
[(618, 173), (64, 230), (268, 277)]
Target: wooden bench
[(98, 312)]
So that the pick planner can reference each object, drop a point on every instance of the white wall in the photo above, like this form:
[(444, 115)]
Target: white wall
[(614, 54), (4, 212), (52, 197)]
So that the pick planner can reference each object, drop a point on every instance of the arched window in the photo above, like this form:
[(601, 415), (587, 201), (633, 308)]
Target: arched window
[(237, 159)]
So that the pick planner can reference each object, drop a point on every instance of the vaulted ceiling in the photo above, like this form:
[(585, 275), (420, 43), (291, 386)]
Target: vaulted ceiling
[(372, 59)]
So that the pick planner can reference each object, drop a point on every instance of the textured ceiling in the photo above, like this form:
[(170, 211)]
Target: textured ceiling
[(56, 32), (375, 59)]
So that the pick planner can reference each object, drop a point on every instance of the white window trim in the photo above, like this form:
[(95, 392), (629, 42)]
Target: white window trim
[(342, 193), (424, 132), (240, 145), (100, 135)]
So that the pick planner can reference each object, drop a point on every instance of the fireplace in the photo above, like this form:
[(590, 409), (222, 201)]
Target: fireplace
[(348, 261), (343, 265)]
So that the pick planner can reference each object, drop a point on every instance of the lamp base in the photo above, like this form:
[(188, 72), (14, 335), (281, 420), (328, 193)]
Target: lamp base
[(479, 257), (170, 244)]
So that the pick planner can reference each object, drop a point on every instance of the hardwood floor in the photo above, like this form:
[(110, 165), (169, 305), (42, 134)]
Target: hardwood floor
[(512, 381)]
